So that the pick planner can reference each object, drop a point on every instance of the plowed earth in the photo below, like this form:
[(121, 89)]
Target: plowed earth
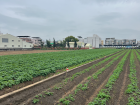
[(27, 52), (68, 88), (25, 97)]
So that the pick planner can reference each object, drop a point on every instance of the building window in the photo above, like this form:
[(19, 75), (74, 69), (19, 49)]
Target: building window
[(18, 45), (5, 40), (18, 40), (12, 40), (12, 45), (24, 45), (5, 45)]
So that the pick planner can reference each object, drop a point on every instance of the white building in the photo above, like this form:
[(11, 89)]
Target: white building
[(94, 41), (8, 41), (36, 41)]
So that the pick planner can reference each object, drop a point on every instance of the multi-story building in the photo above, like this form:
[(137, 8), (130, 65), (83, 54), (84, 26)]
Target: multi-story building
[(36, 41), (120, 42), (95, 41), (26, 38), (8, 41), (102, 42), (138, 43)]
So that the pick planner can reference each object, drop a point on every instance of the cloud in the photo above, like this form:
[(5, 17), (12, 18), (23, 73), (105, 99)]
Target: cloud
[(59, 19)]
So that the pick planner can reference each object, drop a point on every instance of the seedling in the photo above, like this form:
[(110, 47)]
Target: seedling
[(36, 96), (35, 101), (49, 93), (57, 88)]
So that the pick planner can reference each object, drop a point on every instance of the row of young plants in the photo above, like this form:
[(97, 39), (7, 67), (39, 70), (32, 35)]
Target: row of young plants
[(103, 96), (64, 82), (15, 69), (83, 87), (90, 68), (138, 56), (132, 89)]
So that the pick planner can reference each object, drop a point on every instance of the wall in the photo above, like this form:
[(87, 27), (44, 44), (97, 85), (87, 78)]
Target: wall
[(17, 41), (10, 42)]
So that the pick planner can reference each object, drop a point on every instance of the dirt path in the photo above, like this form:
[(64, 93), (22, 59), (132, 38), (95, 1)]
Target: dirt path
[(26, 94), (28, 52)]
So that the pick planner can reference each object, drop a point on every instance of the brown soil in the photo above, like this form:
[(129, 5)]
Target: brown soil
[(118, 96), (95, 86), (137, 62), (50, 100), (28, 52), (20, 97)]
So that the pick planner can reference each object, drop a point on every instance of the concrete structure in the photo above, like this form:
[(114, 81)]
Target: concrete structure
[(36, 41), (102, 42), (26, 38), (118, 42), (71, 44), (138, 43), (82, 44), (94, 41), (89, 46), (8, 41)]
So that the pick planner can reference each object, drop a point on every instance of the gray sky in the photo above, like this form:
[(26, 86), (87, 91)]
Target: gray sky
[(62, 18)]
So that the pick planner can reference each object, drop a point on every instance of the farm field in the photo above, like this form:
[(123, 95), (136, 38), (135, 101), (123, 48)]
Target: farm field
[(111, 80), (27, 52)]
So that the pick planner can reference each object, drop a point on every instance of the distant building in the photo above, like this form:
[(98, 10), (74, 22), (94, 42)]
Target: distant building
[(102, 42), (26, 38), (94, 41), (9, 41), (36, 41), (138, 43), (120, 42)]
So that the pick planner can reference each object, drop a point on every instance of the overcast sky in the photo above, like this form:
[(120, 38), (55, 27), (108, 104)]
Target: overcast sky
[(58, 19)]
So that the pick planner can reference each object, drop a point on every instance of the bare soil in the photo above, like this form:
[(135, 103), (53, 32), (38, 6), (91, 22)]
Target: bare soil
[(23, 96), (28, 52), (118, 96), (137, 62), (68, 88), (95, 86)]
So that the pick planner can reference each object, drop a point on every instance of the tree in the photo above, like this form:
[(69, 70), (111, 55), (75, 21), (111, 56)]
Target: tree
[(48, 43), (61, 44), (54, 45), (64, 43), (71, 39), (75, 44), (68, 44)]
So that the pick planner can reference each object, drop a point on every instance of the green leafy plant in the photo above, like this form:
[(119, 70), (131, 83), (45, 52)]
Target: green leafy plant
[(35, 101), (49, 93)]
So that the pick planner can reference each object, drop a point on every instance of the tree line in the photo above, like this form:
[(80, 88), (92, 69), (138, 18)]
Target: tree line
[(62, 43)]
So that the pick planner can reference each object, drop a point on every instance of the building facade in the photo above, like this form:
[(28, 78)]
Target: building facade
[(36, 41), (120, 42), (94, 41), (26, 38), (8, 41)]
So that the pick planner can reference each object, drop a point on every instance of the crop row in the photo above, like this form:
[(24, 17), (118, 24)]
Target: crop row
[(104, 95), (59, 86), (132, 88), (15, 69), (84, 86)]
